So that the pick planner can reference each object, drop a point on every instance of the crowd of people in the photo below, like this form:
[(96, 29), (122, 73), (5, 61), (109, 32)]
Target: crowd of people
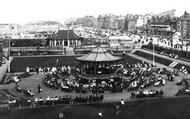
[(147, 93), (56, 100), (128, 77), (185, 90), (83, 84), (66, 69), (25, 91), (183, 69)]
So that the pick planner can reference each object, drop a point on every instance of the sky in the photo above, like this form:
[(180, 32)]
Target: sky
[(24, 11)]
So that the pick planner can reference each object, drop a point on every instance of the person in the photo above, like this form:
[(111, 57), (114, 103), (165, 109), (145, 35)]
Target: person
[(122, 102), (124, 52), (99, 115), (16, 79), (27, 70), (61, 115), (39, 88), (37, 70), (117, 109)]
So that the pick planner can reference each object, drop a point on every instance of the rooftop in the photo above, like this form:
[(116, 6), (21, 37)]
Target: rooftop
[(186, 16), (66, 34), (98, 55)]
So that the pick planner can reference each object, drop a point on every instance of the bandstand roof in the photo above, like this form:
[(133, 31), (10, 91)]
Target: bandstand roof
[(98, 55)]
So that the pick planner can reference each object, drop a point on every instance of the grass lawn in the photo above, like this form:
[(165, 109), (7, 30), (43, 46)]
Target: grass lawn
[(160, 60), (19, 64)]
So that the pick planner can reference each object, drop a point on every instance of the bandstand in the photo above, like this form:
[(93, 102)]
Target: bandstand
[(98, 62)]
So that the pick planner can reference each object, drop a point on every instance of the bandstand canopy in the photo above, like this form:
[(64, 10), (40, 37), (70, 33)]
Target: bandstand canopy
[(98, 55)]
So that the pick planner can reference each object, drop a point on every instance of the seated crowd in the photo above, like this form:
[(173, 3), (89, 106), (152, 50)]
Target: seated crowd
[(136, 77), (83, 84), (147, 93), (183, 69), (56, 100), (66, 69), (185, 90), (127, 78), (143, 78), (27, 92)]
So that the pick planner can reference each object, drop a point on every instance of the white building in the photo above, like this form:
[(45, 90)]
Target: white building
[(120, 41)]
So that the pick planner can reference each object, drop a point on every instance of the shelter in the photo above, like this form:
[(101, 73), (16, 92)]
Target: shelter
[(119, 41), (98, 61), (65, 38), (161, 28)]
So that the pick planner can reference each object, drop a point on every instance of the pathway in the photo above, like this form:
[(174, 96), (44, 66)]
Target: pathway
[(4, 67)]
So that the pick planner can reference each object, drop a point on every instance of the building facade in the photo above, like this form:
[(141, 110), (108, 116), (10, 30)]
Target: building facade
[(107, 21), (162, 26), (184, 26), (160, 29), (131, 22), (1, 51)]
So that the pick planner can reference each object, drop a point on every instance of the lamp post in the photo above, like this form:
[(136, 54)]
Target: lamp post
[(153, 53), (153, 59), (9, 43), (9, 49)]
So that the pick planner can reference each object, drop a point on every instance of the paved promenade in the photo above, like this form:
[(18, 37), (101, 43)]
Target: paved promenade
[(5, 67)]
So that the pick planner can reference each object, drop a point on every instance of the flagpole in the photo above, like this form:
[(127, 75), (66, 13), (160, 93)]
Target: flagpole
[(9, 55)]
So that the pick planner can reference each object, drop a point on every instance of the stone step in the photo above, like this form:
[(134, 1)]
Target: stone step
[(133, 51), (173, 64), (5, 67)]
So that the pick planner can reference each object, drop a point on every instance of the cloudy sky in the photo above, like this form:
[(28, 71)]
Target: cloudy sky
[(23, 11)]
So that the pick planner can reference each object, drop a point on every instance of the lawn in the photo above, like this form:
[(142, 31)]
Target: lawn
[(159, 49), (171, 108), (148, 56), (19, 64)]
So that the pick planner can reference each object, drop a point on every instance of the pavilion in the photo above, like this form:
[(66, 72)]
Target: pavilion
[(98, 61), (65, 38)]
